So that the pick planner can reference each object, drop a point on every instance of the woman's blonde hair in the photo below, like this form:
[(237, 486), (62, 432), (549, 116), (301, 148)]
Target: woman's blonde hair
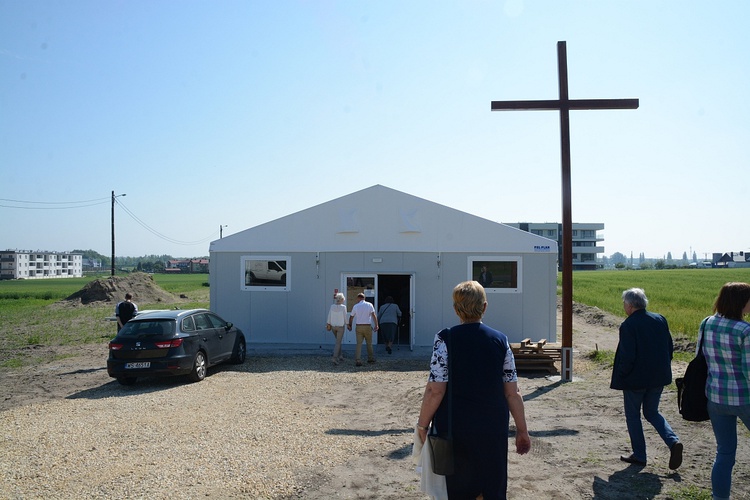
[(339, 297), (469, 300)]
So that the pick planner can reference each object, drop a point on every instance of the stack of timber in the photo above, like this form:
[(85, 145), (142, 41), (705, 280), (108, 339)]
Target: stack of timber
[(537, 355)]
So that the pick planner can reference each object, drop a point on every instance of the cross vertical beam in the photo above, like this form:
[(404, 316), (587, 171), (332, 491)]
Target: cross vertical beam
[(564, 105), (566, 365)]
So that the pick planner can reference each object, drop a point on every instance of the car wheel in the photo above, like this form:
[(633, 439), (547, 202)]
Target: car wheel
[(200, 366), (126, 380), (240, 352)]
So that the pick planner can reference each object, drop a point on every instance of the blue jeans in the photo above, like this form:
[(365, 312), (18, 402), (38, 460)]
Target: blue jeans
[(649, 400), (724, 423)]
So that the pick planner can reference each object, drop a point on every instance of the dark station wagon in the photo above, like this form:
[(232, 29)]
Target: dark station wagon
[(173, 342)]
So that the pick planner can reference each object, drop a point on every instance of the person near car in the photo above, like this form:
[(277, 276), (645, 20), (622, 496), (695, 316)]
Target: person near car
[(642, 367), (125, 311), (389, 316), (336, 323), (366, 322), (726, 346)]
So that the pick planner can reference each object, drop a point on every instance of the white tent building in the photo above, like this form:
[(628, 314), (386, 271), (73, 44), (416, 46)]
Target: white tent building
[(276, 281)]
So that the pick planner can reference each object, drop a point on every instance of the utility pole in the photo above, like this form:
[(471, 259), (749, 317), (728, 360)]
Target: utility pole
[(113, 230)]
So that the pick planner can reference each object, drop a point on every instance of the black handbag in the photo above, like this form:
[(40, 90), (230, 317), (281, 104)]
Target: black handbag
[(441, 450), (441, 447), (691, 389)]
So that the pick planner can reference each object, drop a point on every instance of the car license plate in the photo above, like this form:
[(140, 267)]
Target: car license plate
[(142, 364)]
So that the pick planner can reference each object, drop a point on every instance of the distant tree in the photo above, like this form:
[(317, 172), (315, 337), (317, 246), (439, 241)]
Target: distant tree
[(618, 258), (684, 258), (620, 265), (669, 257), (659, 264), (645, 265), (695, 257)]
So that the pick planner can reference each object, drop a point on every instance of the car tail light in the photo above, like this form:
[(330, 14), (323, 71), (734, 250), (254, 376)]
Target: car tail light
[(114, 347), (168, 344)]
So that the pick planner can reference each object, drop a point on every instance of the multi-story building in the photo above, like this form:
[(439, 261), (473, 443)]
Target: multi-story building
[(22, 264), (586, 241), (187, 266)]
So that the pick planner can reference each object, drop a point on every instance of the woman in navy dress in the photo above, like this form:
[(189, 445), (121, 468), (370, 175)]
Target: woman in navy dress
[(478, 363)]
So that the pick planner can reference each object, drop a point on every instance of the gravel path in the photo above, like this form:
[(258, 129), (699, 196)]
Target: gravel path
[(268, 429), (297, 427)]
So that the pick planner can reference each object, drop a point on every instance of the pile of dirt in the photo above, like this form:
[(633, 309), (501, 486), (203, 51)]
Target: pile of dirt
[(113, 289), (593, 315)]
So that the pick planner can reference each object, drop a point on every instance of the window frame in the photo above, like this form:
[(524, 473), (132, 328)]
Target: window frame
[(267, 285), (475, 262)]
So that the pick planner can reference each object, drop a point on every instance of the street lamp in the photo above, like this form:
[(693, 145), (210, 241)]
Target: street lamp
[(113, 229), (221, 231)]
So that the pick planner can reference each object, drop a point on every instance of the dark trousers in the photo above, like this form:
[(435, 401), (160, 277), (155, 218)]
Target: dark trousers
[(481, 463)]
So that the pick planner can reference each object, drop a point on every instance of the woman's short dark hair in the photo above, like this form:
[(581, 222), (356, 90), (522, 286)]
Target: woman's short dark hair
[(732, 300), (468, 300)]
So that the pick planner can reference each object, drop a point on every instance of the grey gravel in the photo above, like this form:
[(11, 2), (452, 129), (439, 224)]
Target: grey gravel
[(268, 429)]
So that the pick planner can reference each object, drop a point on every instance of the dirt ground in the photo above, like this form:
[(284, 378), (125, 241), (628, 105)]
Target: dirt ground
[(577, 428)]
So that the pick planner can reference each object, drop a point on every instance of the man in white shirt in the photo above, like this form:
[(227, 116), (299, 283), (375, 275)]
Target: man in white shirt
[(364, 314)]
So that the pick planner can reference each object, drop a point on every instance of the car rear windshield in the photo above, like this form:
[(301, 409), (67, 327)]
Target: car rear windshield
[(161, 328)]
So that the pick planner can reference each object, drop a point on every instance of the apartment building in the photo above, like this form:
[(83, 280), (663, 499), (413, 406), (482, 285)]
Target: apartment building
[(586, 240), (22, 264)]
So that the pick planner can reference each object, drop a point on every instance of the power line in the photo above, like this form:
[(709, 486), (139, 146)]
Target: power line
[(74, 204), (100, 201), (157, 233)]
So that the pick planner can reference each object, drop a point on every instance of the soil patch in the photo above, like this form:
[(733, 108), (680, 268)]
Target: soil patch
[(113, 289)]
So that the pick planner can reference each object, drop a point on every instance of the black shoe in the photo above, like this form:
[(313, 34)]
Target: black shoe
[(632, 460), (388, 349), (675, 456)]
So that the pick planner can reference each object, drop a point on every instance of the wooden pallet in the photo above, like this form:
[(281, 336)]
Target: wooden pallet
[(536, 355)]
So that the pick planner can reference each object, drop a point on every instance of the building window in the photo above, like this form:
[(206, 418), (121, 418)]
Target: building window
[(496, 274), (270, 273)]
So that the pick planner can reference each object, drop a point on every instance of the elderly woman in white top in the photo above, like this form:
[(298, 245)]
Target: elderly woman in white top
[(336, 322)]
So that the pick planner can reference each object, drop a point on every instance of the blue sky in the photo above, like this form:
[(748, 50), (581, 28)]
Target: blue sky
[(237, 113)]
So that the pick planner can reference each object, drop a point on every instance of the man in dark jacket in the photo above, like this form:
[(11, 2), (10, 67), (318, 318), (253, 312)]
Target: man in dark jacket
[(125, 311), (643, 366)]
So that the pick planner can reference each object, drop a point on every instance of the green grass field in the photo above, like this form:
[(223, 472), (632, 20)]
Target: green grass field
[(683, 296), (30, 315)]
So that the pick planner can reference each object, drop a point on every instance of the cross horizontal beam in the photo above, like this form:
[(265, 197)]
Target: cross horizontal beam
[(557, 104)]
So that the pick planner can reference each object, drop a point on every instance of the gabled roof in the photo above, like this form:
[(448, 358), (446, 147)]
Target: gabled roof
[(382, 219), (734, 257)]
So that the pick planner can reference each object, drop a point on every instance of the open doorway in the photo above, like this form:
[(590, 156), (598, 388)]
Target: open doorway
[(398, 287), (376, 288)]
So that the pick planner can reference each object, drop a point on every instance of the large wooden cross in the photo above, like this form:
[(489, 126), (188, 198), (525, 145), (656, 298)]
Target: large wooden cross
[(564, 105)]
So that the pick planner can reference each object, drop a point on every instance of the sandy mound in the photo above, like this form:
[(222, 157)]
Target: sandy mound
[(112, 289)]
